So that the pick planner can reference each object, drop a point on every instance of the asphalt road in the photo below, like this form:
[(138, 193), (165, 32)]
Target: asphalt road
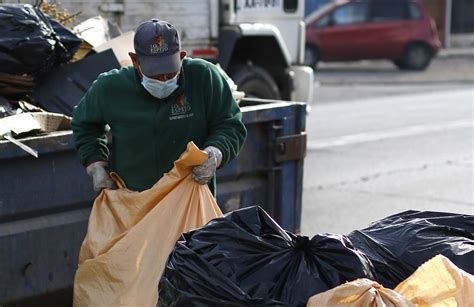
[(377, 149)]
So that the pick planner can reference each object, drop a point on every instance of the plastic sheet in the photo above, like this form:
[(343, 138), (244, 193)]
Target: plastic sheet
[(74, 80), (399, 244), (245, 258)]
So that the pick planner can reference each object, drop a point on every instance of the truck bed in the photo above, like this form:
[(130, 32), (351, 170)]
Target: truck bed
[(45, 202)]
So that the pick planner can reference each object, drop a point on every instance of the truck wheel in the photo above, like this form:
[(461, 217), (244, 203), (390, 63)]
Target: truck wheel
[(311, 56), (416, 57), (255, 81)]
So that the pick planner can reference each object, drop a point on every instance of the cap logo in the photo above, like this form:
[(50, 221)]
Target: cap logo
[(158, 46)]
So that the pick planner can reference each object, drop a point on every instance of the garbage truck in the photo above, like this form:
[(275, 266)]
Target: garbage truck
[(45, 202), (259, 43)]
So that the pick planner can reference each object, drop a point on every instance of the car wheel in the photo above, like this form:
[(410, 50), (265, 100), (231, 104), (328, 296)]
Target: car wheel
[(417, 57), (311, 56), (399, 63), (255, 81)]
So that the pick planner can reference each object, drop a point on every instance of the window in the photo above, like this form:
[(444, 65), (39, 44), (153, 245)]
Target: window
[(414, 11), (290, 6), (350, 14), (388, 10), (323, 22), (311, 6)]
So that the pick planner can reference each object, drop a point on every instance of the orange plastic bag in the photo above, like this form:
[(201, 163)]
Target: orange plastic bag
[(131, 234), (438, 282), (359, 293)]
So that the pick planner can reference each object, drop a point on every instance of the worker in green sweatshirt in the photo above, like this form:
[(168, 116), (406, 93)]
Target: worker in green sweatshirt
[(154, 108)]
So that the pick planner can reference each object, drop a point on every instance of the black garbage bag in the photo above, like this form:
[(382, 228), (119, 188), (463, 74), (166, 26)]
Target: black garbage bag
[(70, 42), (245, 258), (28, 42), (399, 244)]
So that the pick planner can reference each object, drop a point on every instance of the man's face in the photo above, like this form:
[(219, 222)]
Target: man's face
[(162, 77)]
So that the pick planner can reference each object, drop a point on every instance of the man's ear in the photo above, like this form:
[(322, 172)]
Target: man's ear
[(134, 59), (182, 54)]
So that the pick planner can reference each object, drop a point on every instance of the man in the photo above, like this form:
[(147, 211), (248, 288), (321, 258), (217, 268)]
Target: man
[(154, 108)]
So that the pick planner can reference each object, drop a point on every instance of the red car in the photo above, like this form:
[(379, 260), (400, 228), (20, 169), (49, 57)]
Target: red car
[(347, 30)]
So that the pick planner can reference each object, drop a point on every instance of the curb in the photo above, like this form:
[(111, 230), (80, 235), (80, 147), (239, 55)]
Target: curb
[(463, 53)]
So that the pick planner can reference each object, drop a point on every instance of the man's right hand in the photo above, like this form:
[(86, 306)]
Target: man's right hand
[(100, 176)]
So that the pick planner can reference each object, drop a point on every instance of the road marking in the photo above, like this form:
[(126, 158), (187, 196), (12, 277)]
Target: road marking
[(389, 134)]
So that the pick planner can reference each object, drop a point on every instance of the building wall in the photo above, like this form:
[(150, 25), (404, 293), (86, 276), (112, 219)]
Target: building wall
[(462, 16), (437, 10), (457, 28)]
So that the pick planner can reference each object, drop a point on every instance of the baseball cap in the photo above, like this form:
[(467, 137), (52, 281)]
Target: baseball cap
[(157, 46)]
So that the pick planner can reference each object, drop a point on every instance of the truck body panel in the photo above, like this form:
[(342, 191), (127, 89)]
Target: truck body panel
[(201, 24), (274, 12)]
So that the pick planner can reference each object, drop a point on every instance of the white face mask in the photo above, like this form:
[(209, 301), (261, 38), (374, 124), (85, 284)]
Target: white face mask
[(160, 89)]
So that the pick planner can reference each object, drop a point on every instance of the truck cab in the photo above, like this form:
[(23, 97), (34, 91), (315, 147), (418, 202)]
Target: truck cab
[(266, 40)]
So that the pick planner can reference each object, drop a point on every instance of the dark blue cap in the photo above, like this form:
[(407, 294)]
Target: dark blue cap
[(157, 46)]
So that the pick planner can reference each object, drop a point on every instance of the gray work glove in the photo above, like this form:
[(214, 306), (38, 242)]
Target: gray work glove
[(100, 176), (203, 173)]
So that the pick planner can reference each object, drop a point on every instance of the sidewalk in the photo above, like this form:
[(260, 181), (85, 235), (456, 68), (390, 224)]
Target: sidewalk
[(461, 46), (456, 52), (452, 66)]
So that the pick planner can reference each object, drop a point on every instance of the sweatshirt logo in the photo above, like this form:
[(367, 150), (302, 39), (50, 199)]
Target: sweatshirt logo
[(181, 108), (158, 46), (180, 100)]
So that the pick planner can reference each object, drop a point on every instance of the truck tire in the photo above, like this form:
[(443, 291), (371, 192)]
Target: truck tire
[(255, 81)]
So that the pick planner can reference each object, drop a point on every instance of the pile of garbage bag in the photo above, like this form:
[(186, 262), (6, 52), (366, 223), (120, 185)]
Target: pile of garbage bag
[(399, 244), (245, 258), (38, 56), (30, 42), (438, 282)]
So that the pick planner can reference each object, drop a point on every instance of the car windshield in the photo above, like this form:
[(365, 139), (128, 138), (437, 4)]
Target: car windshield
[(320, 12), (351, 13)]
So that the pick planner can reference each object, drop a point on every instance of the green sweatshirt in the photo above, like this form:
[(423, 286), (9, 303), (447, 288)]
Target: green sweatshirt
[(149, 134)]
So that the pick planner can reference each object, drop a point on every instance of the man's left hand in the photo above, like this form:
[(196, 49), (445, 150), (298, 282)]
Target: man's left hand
[(203, 173)]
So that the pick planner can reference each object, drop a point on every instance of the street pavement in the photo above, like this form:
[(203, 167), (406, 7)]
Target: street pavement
[(380, 148)]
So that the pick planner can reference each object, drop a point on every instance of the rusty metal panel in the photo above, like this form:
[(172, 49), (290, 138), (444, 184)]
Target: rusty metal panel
[(290, 147)]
